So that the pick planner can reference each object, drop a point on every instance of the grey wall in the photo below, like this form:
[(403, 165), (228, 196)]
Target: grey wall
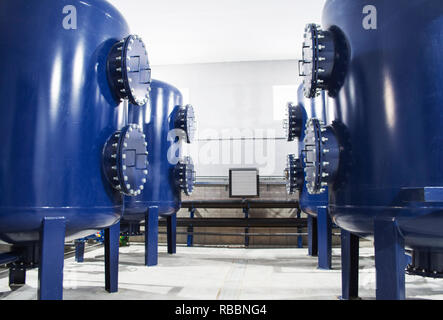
[(237, 100)]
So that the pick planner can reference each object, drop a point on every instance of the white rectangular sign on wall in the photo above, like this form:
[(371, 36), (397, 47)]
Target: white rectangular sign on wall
[(244, 183)]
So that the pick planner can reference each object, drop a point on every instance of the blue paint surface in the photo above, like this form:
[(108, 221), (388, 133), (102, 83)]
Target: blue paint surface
[(313, 108), (57, 113), (391, 103), (161, 190)]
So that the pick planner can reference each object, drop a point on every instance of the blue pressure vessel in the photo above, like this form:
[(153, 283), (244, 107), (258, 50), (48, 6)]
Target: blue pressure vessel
[(167, 124), (381, 64), (295, 123), (63, 77)]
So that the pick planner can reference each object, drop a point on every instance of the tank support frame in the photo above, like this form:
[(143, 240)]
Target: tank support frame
[(390, 261), (112, 237), (52, 256), (171, 226), (79, 251), (312, 236), (17, 277), (151, 237), (324, 225), (190, 237), (349, 263)]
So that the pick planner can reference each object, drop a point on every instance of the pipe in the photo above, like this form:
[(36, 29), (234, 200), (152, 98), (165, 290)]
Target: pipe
[(240, 222), (240, 204), (240, 234), (7, 258)]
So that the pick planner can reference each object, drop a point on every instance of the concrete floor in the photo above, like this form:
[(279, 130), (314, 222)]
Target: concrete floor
[(217, 273)]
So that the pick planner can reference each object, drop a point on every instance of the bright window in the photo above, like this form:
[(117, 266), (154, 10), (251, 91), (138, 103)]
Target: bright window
[(283, 95)]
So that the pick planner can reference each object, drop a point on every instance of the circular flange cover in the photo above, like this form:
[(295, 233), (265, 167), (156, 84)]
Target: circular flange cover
[(293, 122), (318, 60), (321, 156), (185, 120), (126, 160), (293, 174), (129, 71), (185, 175)]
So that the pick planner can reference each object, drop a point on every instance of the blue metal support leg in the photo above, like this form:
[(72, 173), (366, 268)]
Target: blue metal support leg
[(246, 213), (190, 240), (151, 237), (17, 277), (312, 236), (112, 245), (19, 260), (408, 258), (389, 261), (172, 233), (52, 255), (299, 238), (79, 251), (324, 238), (349, 265)]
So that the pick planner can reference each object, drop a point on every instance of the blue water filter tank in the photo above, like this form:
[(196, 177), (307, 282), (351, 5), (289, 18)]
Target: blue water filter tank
[(167, 125), (64, 74), (381, 64), (295, 122)]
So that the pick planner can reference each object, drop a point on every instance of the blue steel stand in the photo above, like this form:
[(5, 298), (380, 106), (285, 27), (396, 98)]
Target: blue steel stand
[(171, 222), (151, 237), (246, 214), (190, 240), (389, 261), (324, 238), (17, 277), (349, 265), (79, 251), (50, 272), (112, 245), (312, 236), (19, 261), (299, 238)]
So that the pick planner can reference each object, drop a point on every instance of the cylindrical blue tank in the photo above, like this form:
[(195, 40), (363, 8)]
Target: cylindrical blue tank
[(158, 121), (306, 108), (390, 104), (57, 112), (314, 108)]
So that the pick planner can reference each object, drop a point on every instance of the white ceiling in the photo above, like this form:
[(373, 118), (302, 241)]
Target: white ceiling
[(203, 31)]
